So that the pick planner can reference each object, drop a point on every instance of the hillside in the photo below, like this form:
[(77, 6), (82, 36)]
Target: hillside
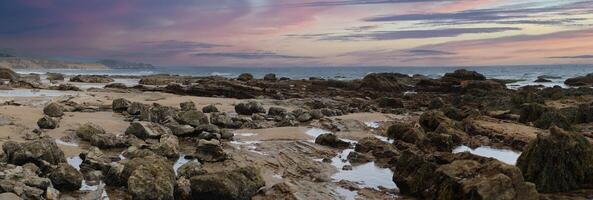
[(41, 63), (119, 64)]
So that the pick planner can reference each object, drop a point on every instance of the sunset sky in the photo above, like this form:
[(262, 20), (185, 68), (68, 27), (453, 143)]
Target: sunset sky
[(302, 33)]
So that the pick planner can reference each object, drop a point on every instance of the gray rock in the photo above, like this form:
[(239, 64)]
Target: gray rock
[(150, 178), (210, 109), (168, 146), (190, 169), (181, 130), (330, 139), (135, 108), (37, 151), (88, 130), (277, 111)]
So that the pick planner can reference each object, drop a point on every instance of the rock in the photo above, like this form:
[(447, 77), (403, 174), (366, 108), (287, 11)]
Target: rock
[(65, 177), (47, 122), (161, 114), (117, 86), (135, 108), (358, 158), (105, 141), (382, 151), (406, 133), (54, 76), (387, 82), (463, 176), (8, 74), (558, 162), (436, 103), (37, 151), (120, 105), (150, 178), (316, 114), (226, 134), (190, 169), (223, 120), (238, 184), (168, 146), (304, 117), (586, 80), (388, 102), (431, 120), (531, 111), (210, 109), (91, 79), (276, 111), (347, 167), (210, 151), (270, 77), (462, 74), (65, 87), (145, 130), (192, 117), (88, 130), (552, 118), (245, 77), (330, 139), (181, 130), (187, 106), (542, 80), (53, 110), (9, 196), (249, 108)]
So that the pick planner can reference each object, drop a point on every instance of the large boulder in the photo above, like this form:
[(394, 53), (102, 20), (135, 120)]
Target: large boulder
[(150, 178), (239, 184), (245, 77), (249, 108), (136, 108), (586, 80), (270, 77), (463, 176), (91, 79), (210, 151), (209, 109), (65, 177), (406, 133), (431, 120), (53, 109), (559, 161), (161, 114), (120, 105), (387, 82), (106, 141), (8, 74), (462, 74), (37, 151), (145, 130), (192, 117)]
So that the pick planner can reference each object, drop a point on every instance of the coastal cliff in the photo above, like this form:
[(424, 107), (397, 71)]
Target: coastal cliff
[(40, 63)]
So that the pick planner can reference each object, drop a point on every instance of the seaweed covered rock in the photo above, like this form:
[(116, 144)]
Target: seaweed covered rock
[(431, 120), (65, 177), (150, 177), (249, 108), (331, 140), (559, 161), (88, 130), (53, 110), (586, 80), (388, 82), (463, 74), (91, 79), (245, 77), (406, 133), (120, 105), (463, 176), (542, 116), (37, 151), (145, 130), (239, 184)]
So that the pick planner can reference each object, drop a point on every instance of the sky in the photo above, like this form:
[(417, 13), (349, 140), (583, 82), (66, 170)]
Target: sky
[(288, 33)]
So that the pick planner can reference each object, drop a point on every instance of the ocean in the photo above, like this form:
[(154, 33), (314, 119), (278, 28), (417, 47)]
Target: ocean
[(524, 74)]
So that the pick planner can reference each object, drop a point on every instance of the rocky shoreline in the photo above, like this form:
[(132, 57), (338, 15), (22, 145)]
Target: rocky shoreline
[(385, 136)]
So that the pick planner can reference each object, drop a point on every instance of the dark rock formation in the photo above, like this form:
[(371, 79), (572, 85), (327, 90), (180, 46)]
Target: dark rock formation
[(239, 184)]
